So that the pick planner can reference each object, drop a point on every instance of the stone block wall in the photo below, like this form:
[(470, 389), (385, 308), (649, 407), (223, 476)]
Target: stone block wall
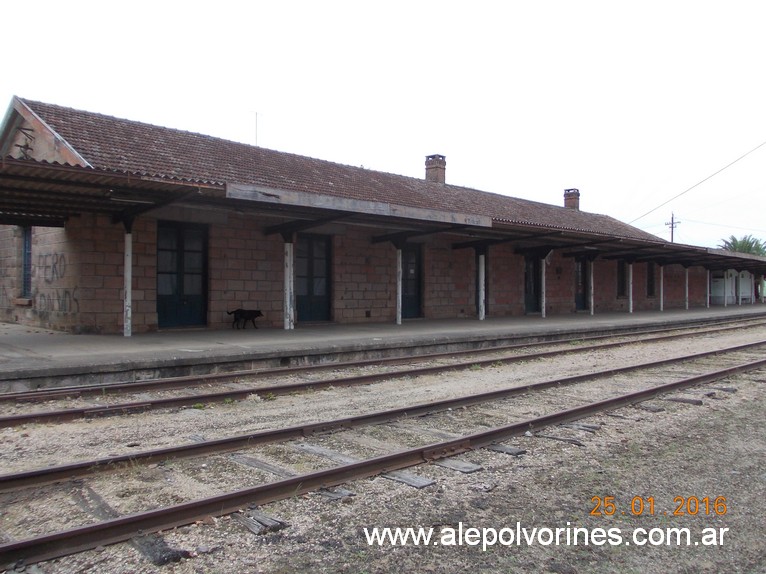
[(245, 270), (77, 275), (363, 278)]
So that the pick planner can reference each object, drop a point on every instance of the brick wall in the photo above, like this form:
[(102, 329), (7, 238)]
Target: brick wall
[(449, 279), (101, 246), (559, 284), (505, 281), (246, 270), (674, 286), (364, 278), (77, 276), (54, 300), (10, 272), (606, 287)]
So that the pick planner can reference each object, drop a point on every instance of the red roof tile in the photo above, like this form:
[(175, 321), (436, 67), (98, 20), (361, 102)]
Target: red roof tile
[(116, 144)]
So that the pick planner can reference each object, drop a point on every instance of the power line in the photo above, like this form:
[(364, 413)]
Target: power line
[(750, 229), (700, 182)]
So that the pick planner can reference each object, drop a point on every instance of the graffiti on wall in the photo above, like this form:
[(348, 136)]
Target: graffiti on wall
[(51, 292), (51, 267), (61, 300), (5, 298), (47, 273)]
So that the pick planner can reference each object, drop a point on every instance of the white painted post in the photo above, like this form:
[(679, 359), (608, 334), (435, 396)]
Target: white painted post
[(725, 288), (398, 286), (707, 293), (482, 287), (630, 287), (662, 287), (752, 288), (542, 288), (739, 288), (289, 292), (591, 288), (127, 308), (686, 288)]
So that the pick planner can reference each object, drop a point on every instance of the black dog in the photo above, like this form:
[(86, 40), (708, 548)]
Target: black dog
[(244, 315)]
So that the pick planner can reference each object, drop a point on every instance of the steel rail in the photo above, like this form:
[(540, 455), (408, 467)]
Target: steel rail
[(64, 415), (49, 475), (168, 383), (87, 537)]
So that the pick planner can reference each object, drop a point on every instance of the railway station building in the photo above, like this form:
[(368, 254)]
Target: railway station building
[(116, 226)]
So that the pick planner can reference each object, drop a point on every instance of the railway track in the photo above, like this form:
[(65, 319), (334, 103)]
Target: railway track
[(594, 395), (185, 382), (439, 363)]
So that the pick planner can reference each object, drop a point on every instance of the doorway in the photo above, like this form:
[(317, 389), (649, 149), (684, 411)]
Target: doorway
[(412, 281), (532, 285), (581, 284), (312, 277), (181, 274)]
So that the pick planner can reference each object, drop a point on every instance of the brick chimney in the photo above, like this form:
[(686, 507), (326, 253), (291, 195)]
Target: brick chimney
[(572, 198), (436, 168)]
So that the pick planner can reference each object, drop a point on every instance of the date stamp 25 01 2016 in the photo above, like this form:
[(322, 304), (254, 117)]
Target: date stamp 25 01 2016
[(645, 506)]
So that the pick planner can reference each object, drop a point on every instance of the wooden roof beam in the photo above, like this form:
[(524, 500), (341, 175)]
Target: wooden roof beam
[(588, 248), (299, 225), (126, 216), (32, 220), (488, 242), (629, 254), (400, 236)]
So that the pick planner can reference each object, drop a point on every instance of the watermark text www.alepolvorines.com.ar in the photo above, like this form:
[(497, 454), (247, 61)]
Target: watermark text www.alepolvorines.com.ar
[(518, 535)]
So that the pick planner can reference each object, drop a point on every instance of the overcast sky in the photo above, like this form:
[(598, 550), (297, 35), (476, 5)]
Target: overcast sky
[(631, 102)]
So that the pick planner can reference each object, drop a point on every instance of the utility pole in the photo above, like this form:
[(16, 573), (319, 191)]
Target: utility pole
[(673, 223)]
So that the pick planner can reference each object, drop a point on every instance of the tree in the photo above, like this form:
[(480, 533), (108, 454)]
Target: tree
[(745, 244)]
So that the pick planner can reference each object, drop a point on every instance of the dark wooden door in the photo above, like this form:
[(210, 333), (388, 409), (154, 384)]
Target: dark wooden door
[(532, 285), (312, 278), (181, 274), (412, 282)]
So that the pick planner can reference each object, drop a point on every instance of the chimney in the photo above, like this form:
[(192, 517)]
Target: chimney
[(436, 168), (572, 198)]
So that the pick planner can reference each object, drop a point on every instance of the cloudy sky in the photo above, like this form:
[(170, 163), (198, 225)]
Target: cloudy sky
[(634, 103)]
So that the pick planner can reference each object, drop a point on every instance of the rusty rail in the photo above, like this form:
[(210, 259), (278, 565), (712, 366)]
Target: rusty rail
[(110, 531), (69, 471), (194, 380), (274, 390)]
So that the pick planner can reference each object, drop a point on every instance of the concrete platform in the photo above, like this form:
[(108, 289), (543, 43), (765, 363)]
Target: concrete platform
[(35, 358)]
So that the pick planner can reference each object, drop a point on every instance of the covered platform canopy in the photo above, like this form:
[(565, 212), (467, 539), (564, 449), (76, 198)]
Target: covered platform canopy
[(35, 193)]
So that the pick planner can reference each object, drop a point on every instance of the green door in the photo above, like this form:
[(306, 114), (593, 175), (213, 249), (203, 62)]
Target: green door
[(412, 263), (181, 274), (532, 285), (312, 277)]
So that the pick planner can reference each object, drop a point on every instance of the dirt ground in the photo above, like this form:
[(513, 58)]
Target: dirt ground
[(709, 451), (717, 450)]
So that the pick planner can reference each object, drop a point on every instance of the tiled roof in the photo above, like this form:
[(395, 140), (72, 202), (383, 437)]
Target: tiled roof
[(116, 144)]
